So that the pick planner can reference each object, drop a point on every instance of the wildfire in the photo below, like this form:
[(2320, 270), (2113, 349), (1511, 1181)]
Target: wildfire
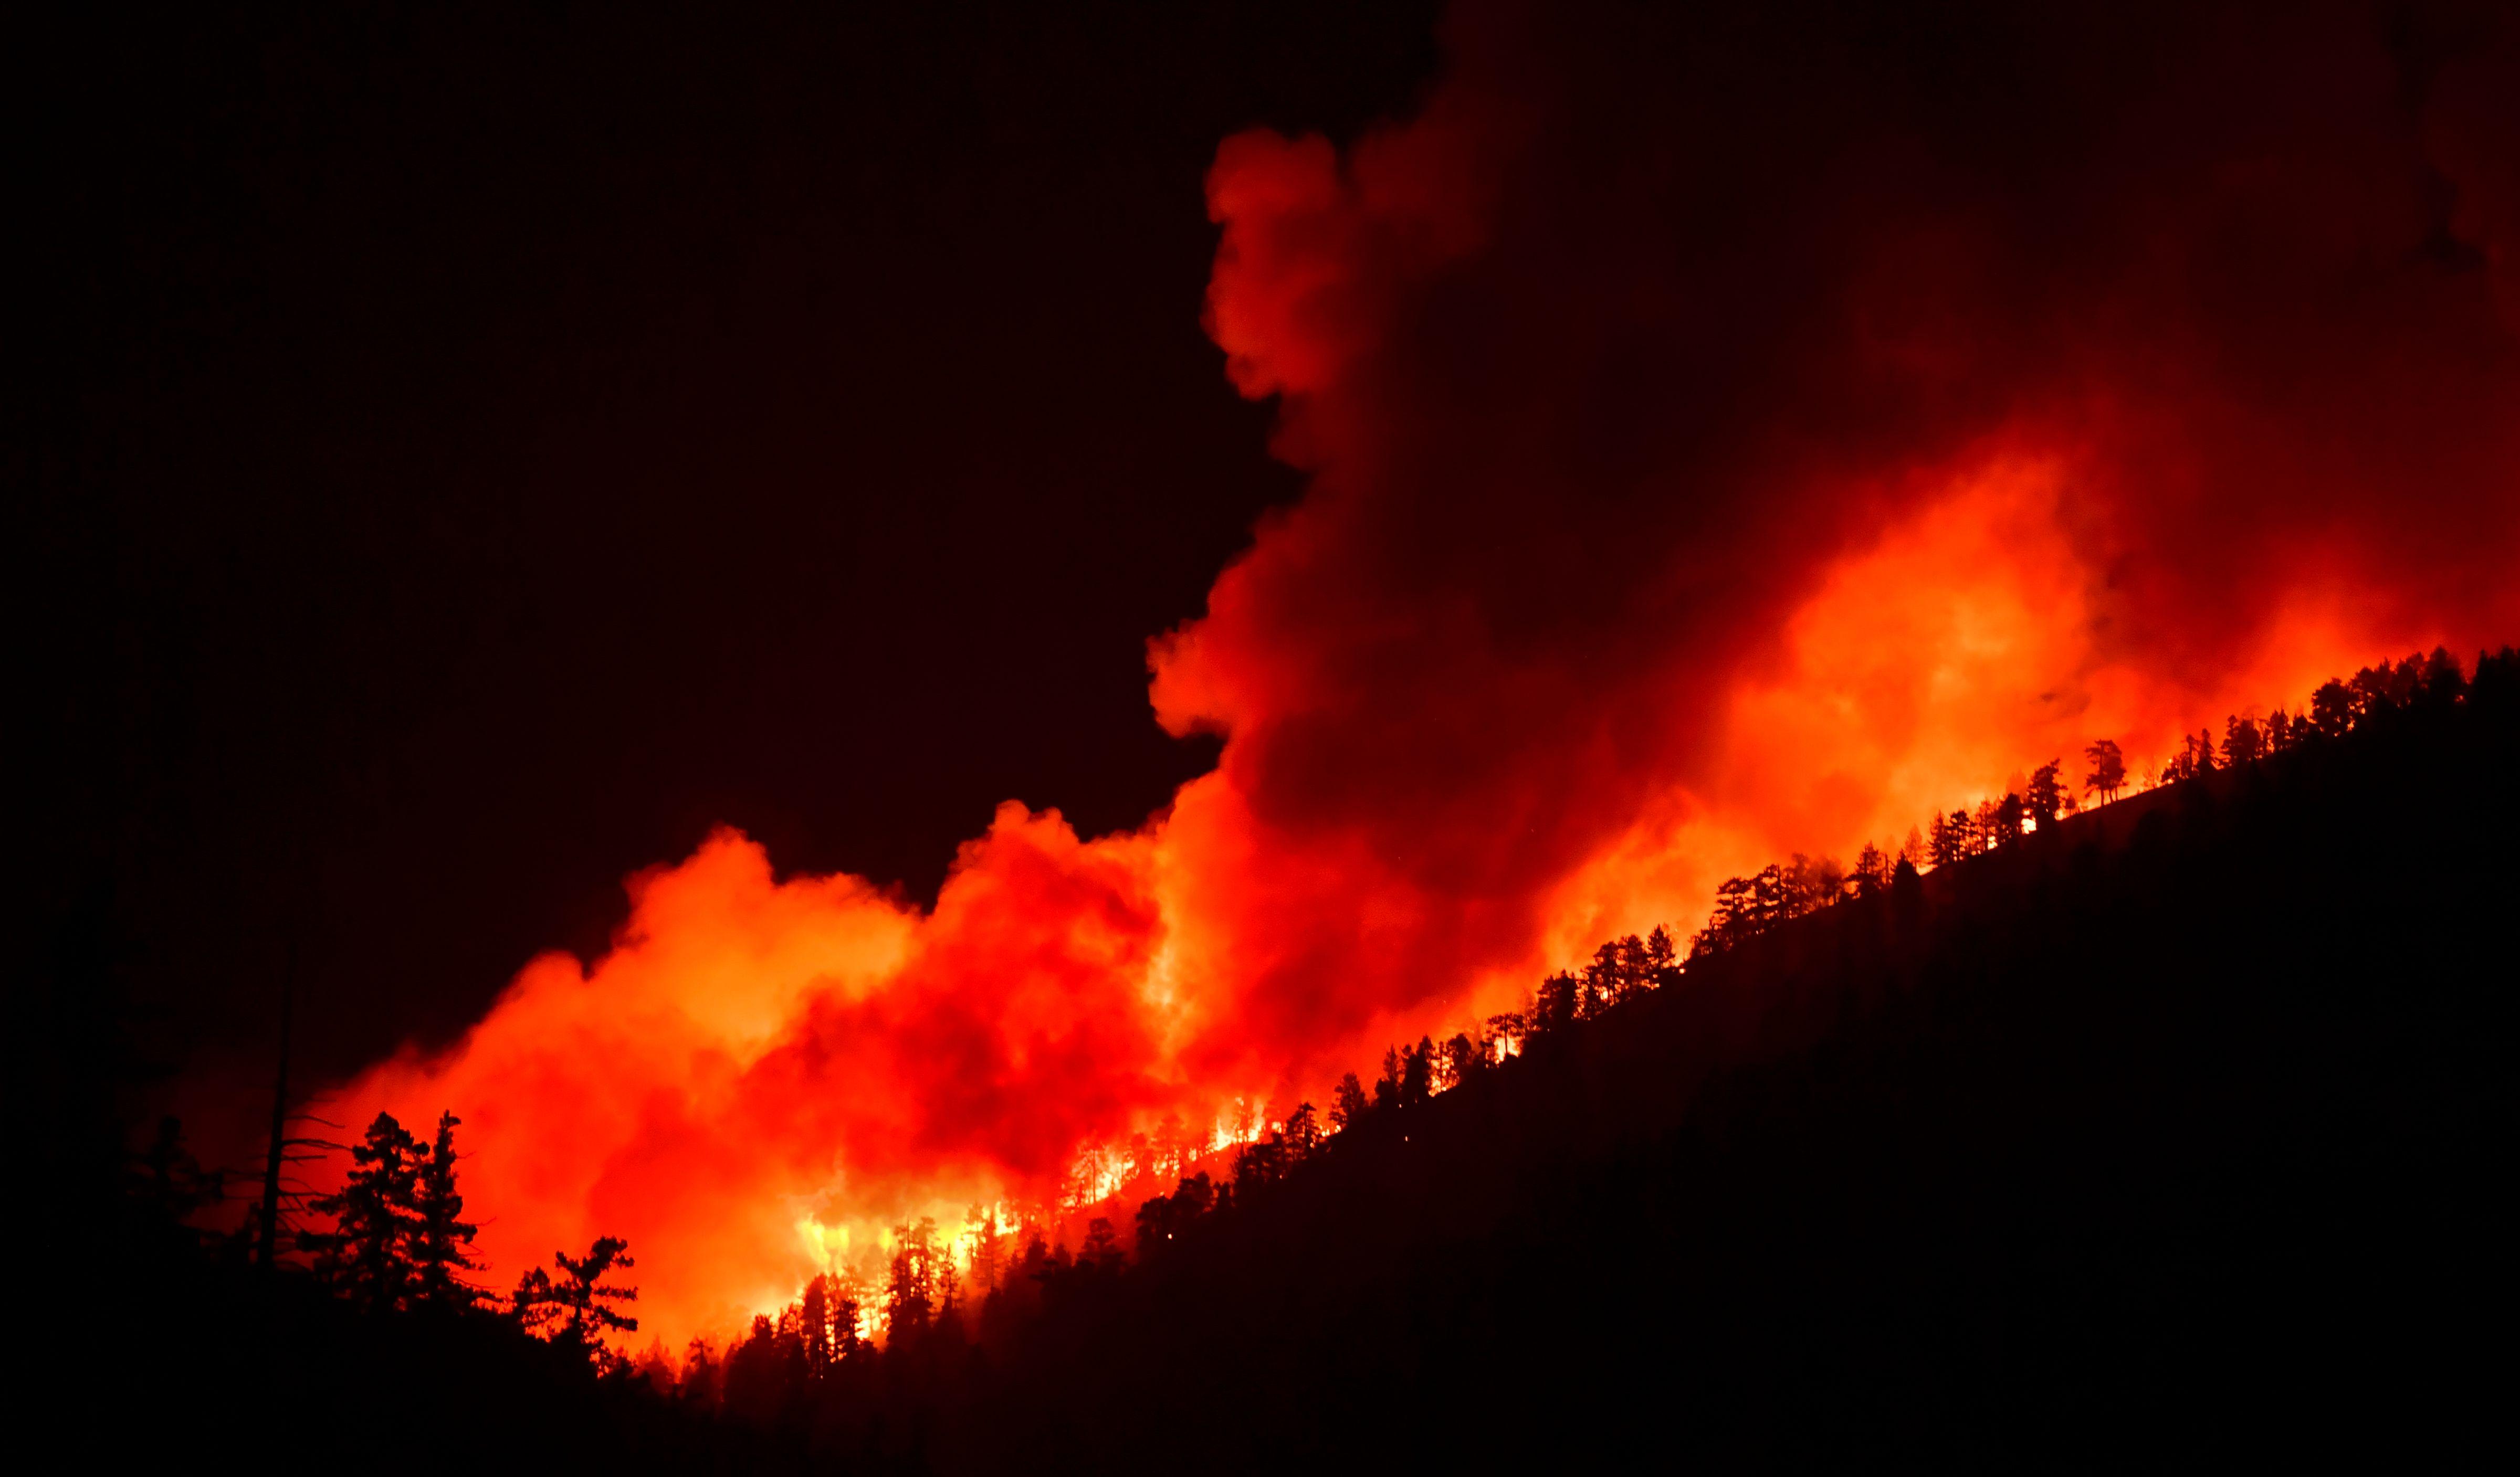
[(1646, 539)]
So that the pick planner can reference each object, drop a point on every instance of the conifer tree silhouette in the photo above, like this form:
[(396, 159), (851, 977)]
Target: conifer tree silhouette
[(1386, 1088), (580, 1303), (1662, 959), (1948, 844), (1303, 1132), (2108, 776), (2242, 742), (367, 1255), (2442, 684), (2331, 709), (1418, 1073), (441, 1239), (1557, 1003), (814, 1311), (846, 1320), (2047, 797), (1347, 1104), (909, 1298), (988, 1248)]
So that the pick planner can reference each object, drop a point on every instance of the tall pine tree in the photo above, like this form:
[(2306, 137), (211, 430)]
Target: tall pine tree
[(441, 1239), (366, 1254)]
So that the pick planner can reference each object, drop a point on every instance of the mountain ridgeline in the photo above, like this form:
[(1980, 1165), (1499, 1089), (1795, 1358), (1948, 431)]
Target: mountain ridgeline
[(2166, 1130), (2169, 1128)]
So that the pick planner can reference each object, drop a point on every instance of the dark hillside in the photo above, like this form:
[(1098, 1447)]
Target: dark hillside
[(2164, 1136), (2169, 1132)]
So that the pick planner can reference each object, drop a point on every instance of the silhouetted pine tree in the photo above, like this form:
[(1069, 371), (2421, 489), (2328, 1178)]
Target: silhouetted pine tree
[(1662, 959), (1303, 1132), (1348, 1103), (2108, 776), (2047, 797), (1418, 1073), (2331, 709), (440, 1238), (1949, 840), (2242, 742), (909, 1297), (578, 1308), (366, 1256)]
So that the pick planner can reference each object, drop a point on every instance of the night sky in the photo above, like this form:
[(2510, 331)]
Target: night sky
[(479, 449)]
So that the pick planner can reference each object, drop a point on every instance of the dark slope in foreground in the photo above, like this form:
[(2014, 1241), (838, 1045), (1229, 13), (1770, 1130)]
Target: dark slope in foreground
[(2170, 1136), (2173, 1132)]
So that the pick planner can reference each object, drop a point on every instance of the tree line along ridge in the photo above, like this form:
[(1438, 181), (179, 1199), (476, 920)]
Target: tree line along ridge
[(392, 1240)]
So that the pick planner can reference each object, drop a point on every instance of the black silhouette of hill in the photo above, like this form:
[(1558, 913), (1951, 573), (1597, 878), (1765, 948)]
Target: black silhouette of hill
[(2168, 1134), (2165, 1136)]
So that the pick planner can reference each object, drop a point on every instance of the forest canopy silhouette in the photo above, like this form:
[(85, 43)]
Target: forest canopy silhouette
[(1799, 1177)]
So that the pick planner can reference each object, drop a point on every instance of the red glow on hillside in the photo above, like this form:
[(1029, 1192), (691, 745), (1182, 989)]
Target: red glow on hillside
[(1653, 532)]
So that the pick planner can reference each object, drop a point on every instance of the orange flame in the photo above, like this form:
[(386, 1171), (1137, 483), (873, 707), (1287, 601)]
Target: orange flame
[(1669, 559)]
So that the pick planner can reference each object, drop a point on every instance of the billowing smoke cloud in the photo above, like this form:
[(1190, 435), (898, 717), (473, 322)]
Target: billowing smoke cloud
[(1727, 434)]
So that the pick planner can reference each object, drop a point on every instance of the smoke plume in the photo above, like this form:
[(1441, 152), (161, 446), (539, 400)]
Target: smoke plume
[(1727, 434)]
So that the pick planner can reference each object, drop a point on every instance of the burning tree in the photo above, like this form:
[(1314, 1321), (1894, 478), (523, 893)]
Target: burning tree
[(829, 1316), (909, 1297)]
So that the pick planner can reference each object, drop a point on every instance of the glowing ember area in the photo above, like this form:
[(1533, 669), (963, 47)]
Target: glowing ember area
[(1674, 504)]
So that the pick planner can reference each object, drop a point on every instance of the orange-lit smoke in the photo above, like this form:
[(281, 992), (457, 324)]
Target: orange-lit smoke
[(1721, 443)]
